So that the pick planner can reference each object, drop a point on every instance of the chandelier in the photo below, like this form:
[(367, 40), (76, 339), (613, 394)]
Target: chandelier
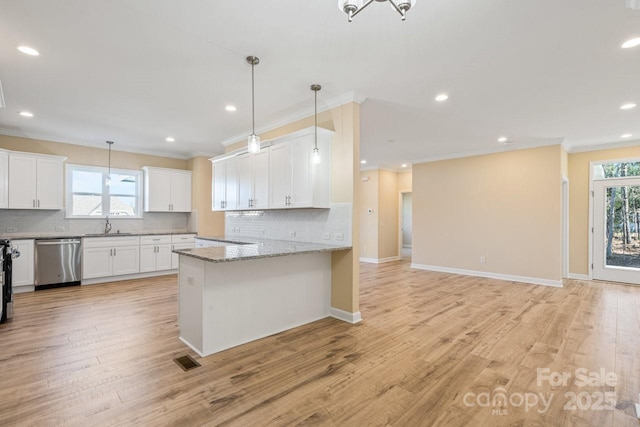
[(353, 7)]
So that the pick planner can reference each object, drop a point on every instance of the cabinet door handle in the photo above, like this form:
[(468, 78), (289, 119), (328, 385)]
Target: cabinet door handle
[(38, 202), (115, 252), (110, 252), (34, 203)]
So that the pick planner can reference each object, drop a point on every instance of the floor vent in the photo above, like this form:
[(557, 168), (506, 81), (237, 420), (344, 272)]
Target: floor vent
[(186, 363)]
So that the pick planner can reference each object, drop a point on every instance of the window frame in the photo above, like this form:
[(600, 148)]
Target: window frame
[(106, 196)]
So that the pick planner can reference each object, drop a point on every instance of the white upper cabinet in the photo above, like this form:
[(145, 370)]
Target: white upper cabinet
[(253, 180), (4, 180), (225, 185), (295, 182), (35, 181), (167, 190), (281, 176)]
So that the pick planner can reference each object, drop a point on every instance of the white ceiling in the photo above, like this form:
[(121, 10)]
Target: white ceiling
[(136, 71)]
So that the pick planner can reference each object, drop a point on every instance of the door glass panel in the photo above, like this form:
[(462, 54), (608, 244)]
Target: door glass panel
[(622, 226)]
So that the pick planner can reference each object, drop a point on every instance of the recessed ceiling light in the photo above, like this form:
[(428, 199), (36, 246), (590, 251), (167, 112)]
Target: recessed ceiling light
[(442, 97), (631, 43), (363, 162), (26, 113), (404, 165), (230, 108), (628, 106), (170, 139), (626, 135), (503, 139), (28, 50)]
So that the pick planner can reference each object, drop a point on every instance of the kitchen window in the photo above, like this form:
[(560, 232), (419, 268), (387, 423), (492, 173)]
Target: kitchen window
[(92, 193)]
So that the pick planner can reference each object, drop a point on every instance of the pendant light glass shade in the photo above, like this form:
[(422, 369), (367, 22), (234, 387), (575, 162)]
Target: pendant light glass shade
[(315, 157), (253, 142)]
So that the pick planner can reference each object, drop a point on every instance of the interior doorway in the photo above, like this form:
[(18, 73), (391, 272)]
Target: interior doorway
[(406, 228)]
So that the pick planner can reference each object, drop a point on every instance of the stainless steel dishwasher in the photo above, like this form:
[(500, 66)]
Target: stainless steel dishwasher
[(57, 263)]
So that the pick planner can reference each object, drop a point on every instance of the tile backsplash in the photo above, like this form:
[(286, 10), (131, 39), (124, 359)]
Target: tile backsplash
[(27, 221), (328, 226)]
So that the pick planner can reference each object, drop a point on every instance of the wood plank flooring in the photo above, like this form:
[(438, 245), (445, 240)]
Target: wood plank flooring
[(433, 349)]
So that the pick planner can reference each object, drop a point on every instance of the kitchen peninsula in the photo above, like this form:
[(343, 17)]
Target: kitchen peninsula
[(233, 294)]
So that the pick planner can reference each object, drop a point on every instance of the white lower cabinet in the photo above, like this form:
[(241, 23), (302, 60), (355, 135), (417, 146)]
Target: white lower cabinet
[(155, 253), (22, 273), (181, 241), (110, 256)]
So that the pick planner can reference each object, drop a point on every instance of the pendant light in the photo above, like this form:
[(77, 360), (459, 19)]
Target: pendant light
[(315, 158), (107, 181), (253, 142)]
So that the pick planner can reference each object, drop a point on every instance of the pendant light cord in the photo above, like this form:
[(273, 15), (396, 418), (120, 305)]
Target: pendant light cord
[(315, 92), (253, 101)]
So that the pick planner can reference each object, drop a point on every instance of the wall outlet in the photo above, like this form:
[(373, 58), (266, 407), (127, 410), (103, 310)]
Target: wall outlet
[(292, 234), (326, 236), (483, 260), (11, 229), (59, 228), (339, 236)]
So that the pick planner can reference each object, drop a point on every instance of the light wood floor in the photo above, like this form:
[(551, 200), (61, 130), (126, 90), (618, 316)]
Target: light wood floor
[(103, 355)]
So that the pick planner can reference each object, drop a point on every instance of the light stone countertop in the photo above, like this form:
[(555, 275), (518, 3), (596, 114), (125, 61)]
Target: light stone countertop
[(39, 235), (255, 249)]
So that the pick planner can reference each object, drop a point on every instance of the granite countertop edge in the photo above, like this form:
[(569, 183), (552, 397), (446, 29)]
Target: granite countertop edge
[(63, 235), (270, 248)]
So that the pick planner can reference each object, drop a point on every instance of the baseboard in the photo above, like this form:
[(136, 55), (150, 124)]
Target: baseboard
[(23, 289), (489, 275), (185, 342), (578, 276), (107, 279), (380, 260), (345, 316)]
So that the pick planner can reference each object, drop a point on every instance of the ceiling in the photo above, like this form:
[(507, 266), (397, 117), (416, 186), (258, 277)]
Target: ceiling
[(136, 71)]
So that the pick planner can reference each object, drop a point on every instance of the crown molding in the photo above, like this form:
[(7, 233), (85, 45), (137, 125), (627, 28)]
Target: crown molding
[(300, 114), (582, 148), (503, 149), (46, 137)]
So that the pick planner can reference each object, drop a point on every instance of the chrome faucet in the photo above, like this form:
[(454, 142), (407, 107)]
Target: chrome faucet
[(107, 226)]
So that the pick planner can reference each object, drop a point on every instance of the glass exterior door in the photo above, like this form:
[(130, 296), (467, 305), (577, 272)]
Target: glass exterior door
[(616, 234)]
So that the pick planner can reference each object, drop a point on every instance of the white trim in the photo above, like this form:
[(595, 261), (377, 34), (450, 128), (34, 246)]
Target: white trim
[(637, 405), (401, 193), (565, 227), (185, 342), (107, 279), (489, 275), (494, 150), (345, 316), (578, 276), (23, 289), (72, 141), (597, 147), (299, 114), (379, 260), (68, 193)]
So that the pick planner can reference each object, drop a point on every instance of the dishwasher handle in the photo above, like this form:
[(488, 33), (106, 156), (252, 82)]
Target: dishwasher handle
[(56, 242)]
